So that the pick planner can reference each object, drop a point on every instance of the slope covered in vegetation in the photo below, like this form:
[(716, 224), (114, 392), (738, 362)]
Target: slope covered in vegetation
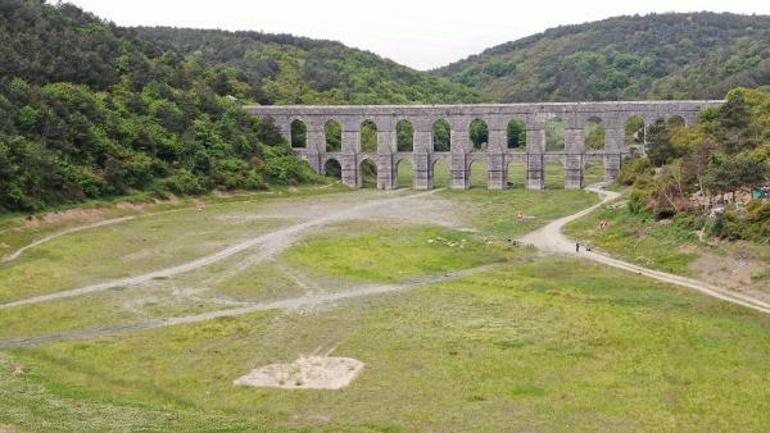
[(722, 161), (668, 56), (293, 70), (88, 110)]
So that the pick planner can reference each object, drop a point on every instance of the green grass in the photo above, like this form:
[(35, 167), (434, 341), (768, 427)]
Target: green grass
[(124, 249), (495, 212), (553, 345), (638, 238), (517, 175), (393, 253), (594, 172)]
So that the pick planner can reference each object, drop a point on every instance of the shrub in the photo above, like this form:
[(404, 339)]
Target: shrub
[(183, 182), (288, 170)]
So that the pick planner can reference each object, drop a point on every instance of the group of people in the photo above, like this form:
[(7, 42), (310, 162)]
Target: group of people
[(604, 225)]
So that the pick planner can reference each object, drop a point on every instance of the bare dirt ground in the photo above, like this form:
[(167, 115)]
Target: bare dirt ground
[(550, 238), (307, 372), (304, 302), (397, 205), (734, 272)]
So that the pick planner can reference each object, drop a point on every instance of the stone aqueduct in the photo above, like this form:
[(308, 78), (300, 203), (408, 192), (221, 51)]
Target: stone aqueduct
[(575, 116)]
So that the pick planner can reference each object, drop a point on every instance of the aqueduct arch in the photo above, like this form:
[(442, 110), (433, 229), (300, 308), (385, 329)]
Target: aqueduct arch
[(438, 132)]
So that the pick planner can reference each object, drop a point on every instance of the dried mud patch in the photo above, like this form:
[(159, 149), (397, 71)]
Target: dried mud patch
[(307, 372), (736, 272), (64, 216)]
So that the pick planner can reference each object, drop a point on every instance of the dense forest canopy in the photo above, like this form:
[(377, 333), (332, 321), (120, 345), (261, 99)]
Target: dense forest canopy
[(88, 110), (293, 70), (658, 56)]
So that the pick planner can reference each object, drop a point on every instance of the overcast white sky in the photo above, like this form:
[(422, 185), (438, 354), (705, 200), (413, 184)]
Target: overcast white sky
[(423, 34)]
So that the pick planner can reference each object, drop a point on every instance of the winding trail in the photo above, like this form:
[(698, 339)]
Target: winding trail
[(550, 238), (271, 244)]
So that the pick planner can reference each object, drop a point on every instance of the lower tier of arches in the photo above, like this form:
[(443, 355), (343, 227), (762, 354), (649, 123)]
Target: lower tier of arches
[(534, 171)]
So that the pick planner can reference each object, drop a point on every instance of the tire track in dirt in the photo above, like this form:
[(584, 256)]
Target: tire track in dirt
[(272, 243), (309, 300)]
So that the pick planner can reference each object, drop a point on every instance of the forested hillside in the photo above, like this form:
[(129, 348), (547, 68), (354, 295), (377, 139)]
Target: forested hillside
[(669, 56), (293, 70)]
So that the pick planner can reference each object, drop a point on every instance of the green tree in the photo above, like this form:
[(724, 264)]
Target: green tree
[(660, 148)]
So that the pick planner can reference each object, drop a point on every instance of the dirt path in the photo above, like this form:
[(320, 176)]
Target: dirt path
[(306, 301), (550, 238), (270, 243)]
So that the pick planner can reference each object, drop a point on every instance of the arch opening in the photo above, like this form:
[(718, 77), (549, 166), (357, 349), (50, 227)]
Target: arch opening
[(478, 174), (478, 132), (404, 136), (298, 134), (368, 172), (517, 175), (404, 174), (516, 135), (595, 134), (634, 129), (333, 132), (554, 135), (555, 174), (442, 136), (675, 122), (441, 173), (593, 171), (333, 169), (368, 136)]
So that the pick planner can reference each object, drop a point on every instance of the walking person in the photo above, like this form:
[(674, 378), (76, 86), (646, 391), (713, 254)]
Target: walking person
[(577, 247)]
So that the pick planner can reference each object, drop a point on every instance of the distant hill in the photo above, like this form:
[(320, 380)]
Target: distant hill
[(668, 56), (296, 70)]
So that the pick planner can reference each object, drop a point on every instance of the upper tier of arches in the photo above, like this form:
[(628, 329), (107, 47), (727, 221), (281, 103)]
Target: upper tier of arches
[(531, 128)]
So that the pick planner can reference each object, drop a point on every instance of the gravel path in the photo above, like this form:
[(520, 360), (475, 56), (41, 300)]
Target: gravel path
[(550, 238)]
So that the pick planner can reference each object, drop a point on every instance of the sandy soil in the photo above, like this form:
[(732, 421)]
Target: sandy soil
[(307, 372)]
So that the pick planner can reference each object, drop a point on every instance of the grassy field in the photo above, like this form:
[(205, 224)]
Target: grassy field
[(552, 345), (540, 344)]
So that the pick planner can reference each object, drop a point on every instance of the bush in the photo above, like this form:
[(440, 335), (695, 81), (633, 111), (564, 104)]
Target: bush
[(288, 170), (631, 169), (183, 182)]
